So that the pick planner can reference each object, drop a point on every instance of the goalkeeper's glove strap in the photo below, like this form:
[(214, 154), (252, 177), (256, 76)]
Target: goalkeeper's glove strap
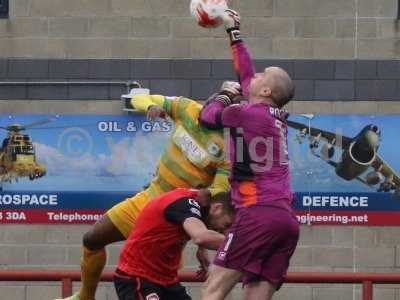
[(224, 99), (234, 35)]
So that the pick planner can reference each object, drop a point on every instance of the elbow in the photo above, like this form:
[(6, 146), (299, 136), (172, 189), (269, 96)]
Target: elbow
[(210, 120), (209, 124), (134, 101), (205, 116), (203, 239), (209, 240), (199, 240)]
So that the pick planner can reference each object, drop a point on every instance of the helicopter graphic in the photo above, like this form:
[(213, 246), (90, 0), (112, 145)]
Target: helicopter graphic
[(17, 154)]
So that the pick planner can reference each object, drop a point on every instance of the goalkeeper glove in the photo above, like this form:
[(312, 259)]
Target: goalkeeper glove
[(232, 25), (228, 92)]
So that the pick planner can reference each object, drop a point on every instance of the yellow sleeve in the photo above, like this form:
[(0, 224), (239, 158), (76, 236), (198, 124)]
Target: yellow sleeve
[(169, 104), (142, 102), (221, 183)]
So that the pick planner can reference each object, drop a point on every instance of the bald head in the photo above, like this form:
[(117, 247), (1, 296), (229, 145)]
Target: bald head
[(274, 84), (281, 84)]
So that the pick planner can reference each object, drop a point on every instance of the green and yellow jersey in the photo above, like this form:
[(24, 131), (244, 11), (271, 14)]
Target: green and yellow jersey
[(194, 156)]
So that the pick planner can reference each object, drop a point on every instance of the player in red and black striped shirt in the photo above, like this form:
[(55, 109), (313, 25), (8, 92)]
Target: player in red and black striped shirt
[(150, 259)]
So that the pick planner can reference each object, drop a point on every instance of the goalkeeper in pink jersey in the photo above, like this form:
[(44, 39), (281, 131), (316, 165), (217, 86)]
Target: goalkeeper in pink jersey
[(260, 243)]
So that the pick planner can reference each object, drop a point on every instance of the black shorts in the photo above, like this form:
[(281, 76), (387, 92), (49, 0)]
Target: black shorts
[(137, 288)]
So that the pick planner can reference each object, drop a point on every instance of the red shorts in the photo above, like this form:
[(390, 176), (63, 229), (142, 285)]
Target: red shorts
[(260, 244)]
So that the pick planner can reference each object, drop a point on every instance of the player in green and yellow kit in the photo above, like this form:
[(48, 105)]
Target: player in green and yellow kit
[(193, 158)]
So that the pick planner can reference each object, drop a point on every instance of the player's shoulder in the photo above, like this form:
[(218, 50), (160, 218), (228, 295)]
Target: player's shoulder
[(184, 100), (189, 109), (190, 103), (245, 109), (237, 107), (187, 201), (183, 208)]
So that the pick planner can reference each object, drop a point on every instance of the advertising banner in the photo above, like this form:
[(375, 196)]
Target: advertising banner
[(345, 169), (71, 168)]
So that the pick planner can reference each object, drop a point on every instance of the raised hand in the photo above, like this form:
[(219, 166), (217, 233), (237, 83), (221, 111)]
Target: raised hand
[(232, 87), (232, 25), (231, 19), (228, 92)]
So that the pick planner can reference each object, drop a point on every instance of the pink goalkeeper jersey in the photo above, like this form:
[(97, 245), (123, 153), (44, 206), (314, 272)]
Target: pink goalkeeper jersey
[(258, 148)]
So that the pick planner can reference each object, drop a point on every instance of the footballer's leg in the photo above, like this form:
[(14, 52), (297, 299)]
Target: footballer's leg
[(269, 261), (93, 260), (94, 256), (259, 290), (220, 282), (114, 226)]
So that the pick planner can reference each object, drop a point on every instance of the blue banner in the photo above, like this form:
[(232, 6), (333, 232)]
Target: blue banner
[(72, 168)]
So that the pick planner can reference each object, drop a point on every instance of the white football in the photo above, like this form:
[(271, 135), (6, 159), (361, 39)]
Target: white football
[(208, 12)]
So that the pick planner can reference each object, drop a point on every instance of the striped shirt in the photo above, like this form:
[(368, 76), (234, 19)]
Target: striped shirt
[(194, 155)]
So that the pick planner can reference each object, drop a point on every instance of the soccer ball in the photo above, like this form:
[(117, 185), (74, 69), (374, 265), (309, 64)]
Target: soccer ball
[(208, 12)]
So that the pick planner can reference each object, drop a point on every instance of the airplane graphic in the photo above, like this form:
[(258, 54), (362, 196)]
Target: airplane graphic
[(359, 154)]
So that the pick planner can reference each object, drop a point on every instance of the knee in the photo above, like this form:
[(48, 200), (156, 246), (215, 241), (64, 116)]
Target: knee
[(219, 284), (211, 293), (91, 242), (210, 289)]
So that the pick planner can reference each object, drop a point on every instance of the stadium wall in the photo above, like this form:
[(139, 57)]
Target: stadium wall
[(341, 64), (314, 29)]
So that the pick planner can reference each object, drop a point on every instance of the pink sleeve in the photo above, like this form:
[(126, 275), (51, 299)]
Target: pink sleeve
[(209, 114), (243, 66), (216, 116)]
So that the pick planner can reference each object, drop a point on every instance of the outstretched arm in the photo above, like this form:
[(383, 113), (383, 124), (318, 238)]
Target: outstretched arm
[(212, 115), (211, 112), (187, 212), (158, 105), (241, 57), (142, 102), (218, 116), (243, 66), (202, 236)]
